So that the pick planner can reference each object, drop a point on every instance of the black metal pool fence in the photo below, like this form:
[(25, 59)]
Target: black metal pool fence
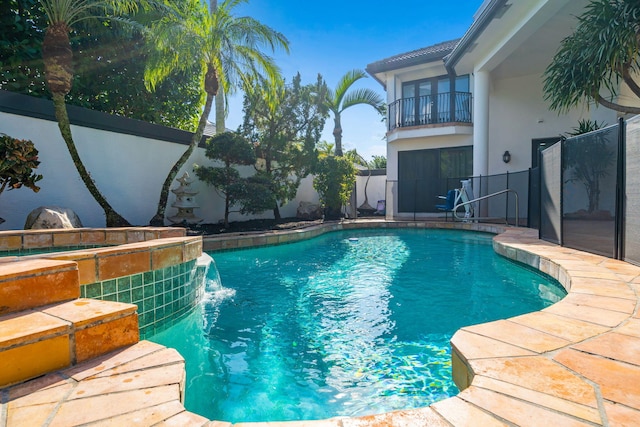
[(420, 196), (589, 192), (585, 194)]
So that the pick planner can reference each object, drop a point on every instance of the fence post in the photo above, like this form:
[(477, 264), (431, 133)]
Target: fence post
[(618, 250), (506, 205)]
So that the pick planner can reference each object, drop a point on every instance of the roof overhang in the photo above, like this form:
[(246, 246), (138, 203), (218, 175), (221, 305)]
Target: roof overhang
[(511, 37), (425, 55)]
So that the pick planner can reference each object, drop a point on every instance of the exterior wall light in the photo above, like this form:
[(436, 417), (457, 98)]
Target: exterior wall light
[(506, 157)]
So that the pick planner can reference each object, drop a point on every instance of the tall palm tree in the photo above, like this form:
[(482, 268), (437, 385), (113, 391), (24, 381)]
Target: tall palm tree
[(340, 99), (57, 56), (227, 48), (220, 113)]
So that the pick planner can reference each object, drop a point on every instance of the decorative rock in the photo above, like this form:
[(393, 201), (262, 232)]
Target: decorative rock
[(47, 217), (308, 210)]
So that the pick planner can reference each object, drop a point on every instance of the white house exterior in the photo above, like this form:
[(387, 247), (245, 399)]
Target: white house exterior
[(475, 98)]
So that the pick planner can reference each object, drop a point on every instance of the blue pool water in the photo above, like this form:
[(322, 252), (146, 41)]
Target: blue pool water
[(349, 323)]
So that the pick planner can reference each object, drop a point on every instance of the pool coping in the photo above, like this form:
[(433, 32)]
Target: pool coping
[(574, 363)]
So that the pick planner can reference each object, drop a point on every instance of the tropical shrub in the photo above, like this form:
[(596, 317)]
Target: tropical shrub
[(18, 159), (334, 180), (252, 194)]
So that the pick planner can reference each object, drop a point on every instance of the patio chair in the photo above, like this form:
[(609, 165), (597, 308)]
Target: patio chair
[(450, 202)]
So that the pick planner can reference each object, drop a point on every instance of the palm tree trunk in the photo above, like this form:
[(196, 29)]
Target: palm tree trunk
[(220, 115), (113, 219), (337, 134), (158, 219)]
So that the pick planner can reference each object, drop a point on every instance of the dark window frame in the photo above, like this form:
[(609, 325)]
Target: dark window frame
[(421, 184), (435, 116)]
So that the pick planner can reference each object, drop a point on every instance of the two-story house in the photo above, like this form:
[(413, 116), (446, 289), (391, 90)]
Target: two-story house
[(475, 106)]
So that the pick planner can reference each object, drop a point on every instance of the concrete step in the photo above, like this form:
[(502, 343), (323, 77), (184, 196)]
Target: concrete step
[(37, 282), (37, 341)]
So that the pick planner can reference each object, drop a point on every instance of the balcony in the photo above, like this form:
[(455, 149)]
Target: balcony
[(430, 110)]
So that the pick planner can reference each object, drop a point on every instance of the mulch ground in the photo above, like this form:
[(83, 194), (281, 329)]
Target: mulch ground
[(253, 225)]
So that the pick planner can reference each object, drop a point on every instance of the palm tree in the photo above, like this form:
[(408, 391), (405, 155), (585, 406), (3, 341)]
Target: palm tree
[(339, 100), (225, 47), (220, 96), (603, 51), (57, 56)]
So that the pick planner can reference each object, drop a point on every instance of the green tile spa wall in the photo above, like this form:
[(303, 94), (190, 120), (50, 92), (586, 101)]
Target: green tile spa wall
[(163, 296)]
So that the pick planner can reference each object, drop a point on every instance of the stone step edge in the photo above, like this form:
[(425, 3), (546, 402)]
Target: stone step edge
[(79, 330), (76, 321), (30, 284)]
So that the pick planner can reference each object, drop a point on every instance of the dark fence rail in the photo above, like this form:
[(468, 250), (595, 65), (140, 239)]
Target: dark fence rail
[(585, 194), (418, 197), (430, 109)]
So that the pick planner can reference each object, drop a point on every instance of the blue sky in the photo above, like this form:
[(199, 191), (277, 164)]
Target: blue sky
[(332, 37)]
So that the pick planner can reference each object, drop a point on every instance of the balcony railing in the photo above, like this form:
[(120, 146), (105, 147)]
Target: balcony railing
[(430, 109)]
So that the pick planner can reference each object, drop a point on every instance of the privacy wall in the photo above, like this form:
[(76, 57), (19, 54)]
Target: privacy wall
[(128, 160)]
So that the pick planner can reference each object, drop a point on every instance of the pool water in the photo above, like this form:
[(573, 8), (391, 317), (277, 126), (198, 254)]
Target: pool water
[(346, 324)]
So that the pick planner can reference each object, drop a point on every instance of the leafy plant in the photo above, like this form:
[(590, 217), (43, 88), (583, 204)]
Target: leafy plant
[(602, 51), (224, 49), (378, 162), (341, 98), (18, 159), (252, 194), (334, 180), (285, 123)]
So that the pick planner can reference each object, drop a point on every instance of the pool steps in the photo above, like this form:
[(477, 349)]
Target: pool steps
[(574, 363), (44, 339), (66, 360)]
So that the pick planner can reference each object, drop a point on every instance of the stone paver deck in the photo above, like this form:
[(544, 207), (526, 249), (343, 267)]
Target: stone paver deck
[(576, 363)]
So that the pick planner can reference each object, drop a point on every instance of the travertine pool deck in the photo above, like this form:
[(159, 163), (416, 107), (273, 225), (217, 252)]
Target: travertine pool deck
[(576, 363)]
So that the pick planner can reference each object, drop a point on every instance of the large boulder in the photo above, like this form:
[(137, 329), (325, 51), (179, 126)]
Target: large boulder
[(308, 210), (46, 217)]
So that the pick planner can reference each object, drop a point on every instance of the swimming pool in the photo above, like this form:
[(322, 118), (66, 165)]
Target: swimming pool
[(349, 323)]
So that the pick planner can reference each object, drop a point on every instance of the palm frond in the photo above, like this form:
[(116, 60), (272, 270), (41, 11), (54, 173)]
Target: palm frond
[(345, 82), (364, 96)]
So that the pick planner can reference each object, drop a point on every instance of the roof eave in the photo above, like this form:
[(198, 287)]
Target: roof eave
[(372, 73), (472, 34)]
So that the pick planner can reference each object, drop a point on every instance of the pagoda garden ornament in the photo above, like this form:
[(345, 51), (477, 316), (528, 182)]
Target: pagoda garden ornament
[(184, 202)]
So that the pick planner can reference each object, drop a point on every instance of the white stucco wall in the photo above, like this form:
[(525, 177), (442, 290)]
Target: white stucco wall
[(375, 189), (518, 114), (128, 170), (422, 143)]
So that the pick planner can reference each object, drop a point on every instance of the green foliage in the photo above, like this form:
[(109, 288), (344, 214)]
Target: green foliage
[(108, 60), (586, 126), (341, 98), (22, 26), (110, 64), (285, 122), (334, 179), (602, 51), (231, 148), (378, 162), (257, 194), (217, 48), (18, 159), (253, 193)]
